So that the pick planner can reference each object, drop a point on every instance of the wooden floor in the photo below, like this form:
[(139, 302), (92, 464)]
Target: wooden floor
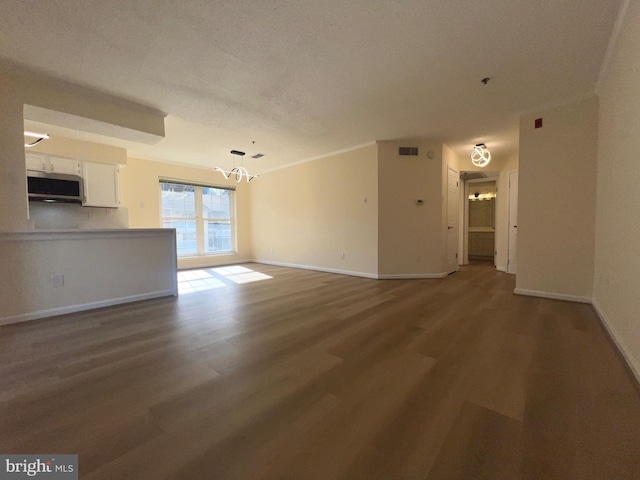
[(310, 375)]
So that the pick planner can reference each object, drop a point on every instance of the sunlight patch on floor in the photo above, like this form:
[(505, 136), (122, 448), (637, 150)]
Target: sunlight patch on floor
[(190, 281), (241, 274)]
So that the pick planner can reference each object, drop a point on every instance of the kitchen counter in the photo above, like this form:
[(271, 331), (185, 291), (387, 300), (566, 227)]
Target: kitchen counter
[(78, 233)]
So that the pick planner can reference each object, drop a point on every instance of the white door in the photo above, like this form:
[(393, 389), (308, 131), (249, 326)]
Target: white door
[(513, 221), (453, 227)]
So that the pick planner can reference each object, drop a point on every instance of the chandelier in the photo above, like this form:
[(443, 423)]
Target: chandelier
[(480, 156), (238, 173)]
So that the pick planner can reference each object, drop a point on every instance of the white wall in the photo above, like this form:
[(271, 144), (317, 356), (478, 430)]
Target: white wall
[(81, 150), (556, 214), (308, 214), (100, 268), (140, 196), (55, 216), (617, 262), (14, 213), (410, 236)]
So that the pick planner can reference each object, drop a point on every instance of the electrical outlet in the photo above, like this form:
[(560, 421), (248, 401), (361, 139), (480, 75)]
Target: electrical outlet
[(342, 255), (57, 280)]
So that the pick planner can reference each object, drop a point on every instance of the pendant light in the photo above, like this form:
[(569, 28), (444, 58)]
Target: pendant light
[(480, 156)]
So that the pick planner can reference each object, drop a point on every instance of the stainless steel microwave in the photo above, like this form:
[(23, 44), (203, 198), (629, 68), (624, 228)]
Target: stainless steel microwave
[(54, 187)]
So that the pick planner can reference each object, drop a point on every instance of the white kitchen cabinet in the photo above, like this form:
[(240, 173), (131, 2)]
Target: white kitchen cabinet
[(100, 185), (36, 162), (51, 164), (64, 165)]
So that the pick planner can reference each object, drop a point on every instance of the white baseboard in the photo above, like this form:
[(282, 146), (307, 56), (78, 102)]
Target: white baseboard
[(318, 269), (211, 264), (50, 312), (500, 268), (374, 276), (633, 365), (551, 295), (394, 276)]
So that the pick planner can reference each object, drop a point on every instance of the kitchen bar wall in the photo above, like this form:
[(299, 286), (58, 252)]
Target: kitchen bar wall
[(49, 273)]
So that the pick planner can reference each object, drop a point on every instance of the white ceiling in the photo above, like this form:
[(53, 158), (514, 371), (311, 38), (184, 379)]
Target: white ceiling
[(306, 78)]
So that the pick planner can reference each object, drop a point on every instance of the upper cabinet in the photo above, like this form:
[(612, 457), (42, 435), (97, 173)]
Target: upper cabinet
[(36, 162), (52, 164), (100, 185), (64, 165), (99, 180)]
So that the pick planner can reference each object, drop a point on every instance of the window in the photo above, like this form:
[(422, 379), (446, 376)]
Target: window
[(201, 215)]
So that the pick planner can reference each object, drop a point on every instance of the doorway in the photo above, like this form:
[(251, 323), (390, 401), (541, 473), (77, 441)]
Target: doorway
[(478, 237)]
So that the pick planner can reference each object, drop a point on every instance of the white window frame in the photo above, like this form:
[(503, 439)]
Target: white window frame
[(201, 220)]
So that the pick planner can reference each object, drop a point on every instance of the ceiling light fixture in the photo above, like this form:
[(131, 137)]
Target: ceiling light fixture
[(480, 156), (237, 172), (39, 136)]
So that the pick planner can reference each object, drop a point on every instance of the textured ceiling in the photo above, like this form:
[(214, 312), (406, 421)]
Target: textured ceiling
[(306, 78)]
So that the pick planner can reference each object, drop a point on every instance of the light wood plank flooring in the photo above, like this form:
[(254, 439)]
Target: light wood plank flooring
[(310, 375)]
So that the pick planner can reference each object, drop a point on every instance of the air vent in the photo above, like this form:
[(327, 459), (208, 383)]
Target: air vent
[(412, 151), (258, 155)]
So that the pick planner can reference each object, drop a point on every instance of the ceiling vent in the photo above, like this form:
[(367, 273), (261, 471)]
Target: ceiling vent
[(258, 155), (410, 151)]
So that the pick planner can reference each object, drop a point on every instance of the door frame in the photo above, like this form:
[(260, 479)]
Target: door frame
[(457, 213), (509, 233), (465, 241)]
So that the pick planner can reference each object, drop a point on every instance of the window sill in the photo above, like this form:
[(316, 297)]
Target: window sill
[(203, 255)]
